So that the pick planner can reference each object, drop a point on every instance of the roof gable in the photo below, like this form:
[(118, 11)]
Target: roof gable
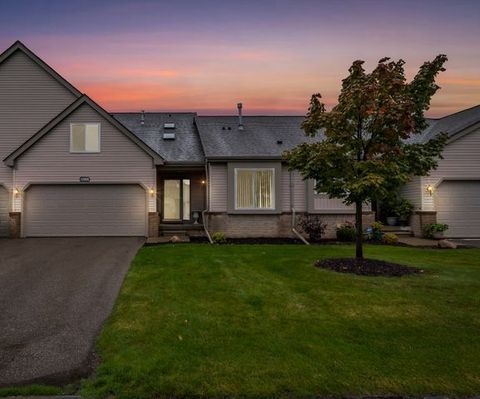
[(19, 46), (10, 159)]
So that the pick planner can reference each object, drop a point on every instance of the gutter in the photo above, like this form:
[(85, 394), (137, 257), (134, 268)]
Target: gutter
[(294, 230), (244, 158)]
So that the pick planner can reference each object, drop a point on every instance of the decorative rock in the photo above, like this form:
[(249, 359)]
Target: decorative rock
[(447, 244), (175, 239)]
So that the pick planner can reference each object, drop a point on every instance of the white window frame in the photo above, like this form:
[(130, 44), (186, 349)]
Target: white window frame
[(235, 189), (99, 137)]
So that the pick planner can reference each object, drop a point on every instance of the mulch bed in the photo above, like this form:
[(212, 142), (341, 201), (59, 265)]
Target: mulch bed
[(366, 267), (262, 240)]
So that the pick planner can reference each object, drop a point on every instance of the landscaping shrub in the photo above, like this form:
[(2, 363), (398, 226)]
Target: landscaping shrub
[(389, 238), (375, 231), (346, 232), (219, 238), (313, 226), (430, 229)]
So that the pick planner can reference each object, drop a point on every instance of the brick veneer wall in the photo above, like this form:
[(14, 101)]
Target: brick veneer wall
[(153, 224), (244, 226), (421, 218), (15, 224)]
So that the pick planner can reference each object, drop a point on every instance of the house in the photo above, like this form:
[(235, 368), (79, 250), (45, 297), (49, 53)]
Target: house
[(451, 193), (70, 168)]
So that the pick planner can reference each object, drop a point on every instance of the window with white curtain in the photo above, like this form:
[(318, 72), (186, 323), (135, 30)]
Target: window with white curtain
[(254, 188)]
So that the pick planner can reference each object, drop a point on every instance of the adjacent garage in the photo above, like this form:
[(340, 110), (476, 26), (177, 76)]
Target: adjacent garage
[(85, 210), (458, 205), (4, 218)]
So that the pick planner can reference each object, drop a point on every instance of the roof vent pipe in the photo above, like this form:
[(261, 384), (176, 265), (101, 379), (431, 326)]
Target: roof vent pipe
[(142, 118), (240, 118)]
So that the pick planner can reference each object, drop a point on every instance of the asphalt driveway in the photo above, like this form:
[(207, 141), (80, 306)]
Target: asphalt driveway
[(55, 293)]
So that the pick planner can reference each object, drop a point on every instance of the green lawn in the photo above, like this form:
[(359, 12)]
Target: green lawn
[(261, 321)]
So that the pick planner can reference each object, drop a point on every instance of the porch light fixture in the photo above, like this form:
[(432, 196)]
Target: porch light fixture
[(203, 182), (151, 191), (16, 192), (429, 189)]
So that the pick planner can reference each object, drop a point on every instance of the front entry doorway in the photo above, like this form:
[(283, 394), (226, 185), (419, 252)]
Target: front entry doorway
[(176, 200)]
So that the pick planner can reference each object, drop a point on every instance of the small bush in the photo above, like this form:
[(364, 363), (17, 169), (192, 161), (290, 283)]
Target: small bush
[(389, 238), (313, 226), (377, 226), (430, 229), (219, 238), (346, 232)]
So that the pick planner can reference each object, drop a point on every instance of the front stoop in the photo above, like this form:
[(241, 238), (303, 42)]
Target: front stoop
[(398, 230)]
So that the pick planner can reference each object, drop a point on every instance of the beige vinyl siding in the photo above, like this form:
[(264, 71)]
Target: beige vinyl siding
[(4, 208), (299, 191), (321, 202), (412, 191), (218, 187), (29, 98), (461, 161), (119, 161)]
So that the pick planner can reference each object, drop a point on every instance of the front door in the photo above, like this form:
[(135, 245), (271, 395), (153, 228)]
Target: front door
[(176, 200)]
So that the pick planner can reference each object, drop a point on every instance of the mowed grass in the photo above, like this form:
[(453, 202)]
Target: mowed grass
[(261, 321)]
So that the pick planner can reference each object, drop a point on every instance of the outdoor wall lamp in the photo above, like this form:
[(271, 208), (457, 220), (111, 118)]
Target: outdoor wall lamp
[(203, 182), (151, 192), (16, 192), (430, 189)]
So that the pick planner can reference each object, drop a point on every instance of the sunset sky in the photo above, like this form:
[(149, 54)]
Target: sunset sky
[(205, 56)]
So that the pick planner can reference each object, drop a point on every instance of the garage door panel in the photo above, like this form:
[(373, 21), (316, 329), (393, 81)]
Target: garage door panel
[(94, 210), (458, 205)]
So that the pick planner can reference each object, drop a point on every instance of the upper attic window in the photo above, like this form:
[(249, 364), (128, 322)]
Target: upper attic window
[(85, 137), (169, 125)]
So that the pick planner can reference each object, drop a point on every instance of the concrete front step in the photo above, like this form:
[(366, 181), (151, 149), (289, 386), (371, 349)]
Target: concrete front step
[(398, 230)]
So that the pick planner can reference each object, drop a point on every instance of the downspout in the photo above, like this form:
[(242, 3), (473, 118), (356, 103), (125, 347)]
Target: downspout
[(207, 201), (294, 230)]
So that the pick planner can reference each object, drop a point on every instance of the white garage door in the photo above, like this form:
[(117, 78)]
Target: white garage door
[(458, 205), (3, 212), (85, 210)]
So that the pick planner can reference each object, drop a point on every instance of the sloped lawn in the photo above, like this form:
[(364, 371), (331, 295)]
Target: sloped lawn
[(261, 321)]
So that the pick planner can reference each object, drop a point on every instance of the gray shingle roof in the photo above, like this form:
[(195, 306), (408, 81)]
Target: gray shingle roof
[(221, 137), (451, 124), (185, 148), (263, 136)]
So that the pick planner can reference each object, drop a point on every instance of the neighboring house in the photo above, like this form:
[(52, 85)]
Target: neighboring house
[(451, 193), (72, 169), (69, 167)]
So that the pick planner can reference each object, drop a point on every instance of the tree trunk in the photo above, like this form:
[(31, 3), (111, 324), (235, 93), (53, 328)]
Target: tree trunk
[(359, 226)]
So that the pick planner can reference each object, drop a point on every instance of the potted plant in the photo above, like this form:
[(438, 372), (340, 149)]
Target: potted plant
[(435, 230), (389, 206), (404, 210)]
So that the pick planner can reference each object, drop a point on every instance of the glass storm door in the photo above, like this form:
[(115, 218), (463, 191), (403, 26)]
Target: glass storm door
[(176, 199)]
